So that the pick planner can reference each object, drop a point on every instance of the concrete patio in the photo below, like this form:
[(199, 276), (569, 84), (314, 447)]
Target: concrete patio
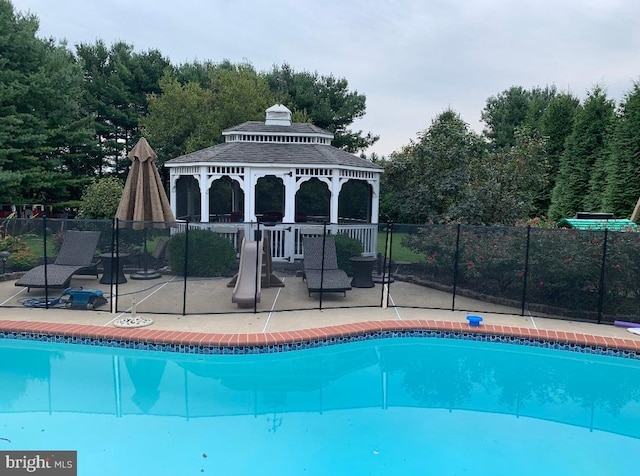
[(209, 308)]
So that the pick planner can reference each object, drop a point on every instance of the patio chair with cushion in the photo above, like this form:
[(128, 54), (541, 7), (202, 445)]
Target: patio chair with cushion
[(76, 253), (319, 278)]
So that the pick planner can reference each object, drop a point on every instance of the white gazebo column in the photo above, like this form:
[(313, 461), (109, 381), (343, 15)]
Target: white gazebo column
[(290, 188), (249, 188), (173, 195), (335, 196), (235, 196), (375, 203), (204, 195), (289, 182)]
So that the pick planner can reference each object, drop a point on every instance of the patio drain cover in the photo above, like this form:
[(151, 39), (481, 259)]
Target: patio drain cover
[(133, 321)]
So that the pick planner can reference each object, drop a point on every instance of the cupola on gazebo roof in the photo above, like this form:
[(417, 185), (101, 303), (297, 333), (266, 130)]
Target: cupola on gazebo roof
[(278, 115)]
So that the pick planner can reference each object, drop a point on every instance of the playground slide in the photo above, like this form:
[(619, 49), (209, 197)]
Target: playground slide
[(245, 293)]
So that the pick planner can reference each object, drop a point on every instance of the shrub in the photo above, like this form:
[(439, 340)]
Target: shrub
[(22, 258), (11, 244), (209, 254), (346, 247), (562, 268), (100, 199)]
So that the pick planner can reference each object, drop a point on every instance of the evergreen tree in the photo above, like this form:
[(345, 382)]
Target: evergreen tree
[(326, 100), (43, 133), (585, 144), (515, 109), (623, 160), (556, 125), (599, 177), (117, 84)]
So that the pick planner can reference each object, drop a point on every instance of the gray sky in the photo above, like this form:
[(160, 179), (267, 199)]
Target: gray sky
[(412, 59)]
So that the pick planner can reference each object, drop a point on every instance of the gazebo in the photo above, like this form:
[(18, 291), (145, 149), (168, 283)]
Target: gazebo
[(259, 175)]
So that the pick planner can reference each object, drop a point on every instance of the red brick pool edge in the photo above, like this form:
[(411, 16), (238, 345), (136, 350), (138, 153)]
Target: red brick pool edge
[(309, 335)]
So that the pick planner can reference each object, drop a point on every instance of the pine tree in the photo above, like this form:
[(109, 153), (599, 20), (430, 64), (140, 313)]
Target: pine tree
[(556, 125), (623, 159), (41, 121), (585, 144)]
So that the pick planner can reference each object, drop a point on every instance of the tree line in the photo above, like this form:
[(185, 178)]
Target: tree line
[(69, 116), (542, 153)]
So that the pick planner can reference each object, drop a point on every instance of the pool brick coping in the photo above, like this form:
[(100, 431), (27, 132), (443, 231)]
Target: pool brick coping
[(202, 339)]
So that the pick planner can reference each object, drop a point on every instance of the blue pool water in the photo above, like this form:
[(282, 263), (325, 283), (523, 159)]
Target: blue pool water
[(380, 407)]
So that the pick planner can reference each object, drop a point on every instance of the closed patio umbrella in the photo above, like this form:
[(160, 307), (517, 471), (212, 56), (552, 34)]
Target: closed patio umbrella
[(144, 199)]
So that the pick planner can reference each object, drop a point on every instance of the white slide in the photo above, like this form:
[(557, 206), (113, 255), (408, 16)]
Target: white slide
[(246, 292)]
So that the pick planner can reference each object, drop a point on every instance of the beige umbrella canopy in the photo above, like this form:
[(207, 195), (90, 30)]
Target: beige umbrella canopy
[(143, 198)]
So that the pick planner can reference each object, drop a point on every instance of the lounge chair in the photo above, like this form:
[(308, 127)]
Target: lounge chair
[(77, 252), (319, 278)]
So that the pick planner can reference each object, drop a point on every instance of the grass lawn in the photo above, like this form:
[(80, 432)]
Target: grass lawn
[(398, 251), (35, 244)]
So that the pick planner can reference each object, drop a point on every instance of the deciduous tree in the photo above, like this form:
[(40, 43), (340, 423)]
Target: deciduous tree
[(427, 178), (505, 186), (189, 116)]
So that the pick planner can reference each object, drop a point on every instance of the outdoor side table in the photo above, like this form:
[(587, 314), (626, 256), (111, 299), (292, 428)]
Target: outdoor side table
[(362, 271), (113, 268)]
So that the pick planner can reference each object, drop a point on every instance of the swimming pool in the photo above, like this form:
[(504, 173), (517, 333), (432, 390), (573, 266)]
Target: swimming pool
[(386, 406)]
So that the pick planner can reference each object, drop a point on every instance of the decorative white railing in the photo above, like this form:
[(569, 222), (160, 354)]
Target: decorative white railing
[(286, 239)]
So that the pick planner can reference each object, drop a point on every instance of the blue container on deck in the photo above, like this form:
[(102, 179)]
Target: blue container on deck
[(474, 321)]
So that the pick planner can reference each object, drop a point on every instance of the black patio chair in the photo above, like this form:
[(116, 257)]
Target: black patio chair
[(319, 278), (76, 253)]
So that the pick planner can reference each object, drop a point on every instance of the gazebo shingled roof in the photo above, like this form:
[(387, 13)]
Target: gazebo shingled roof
[(275, 153)]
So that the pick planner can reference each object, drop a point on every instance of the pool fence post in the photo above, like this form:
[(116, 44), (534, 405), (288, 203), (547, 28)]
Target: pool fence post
[(382, 267), (602, 274), (455, 269), (526, 271), (386, 269), (115, 270), (44, 254), (184, 270), (114, 295)]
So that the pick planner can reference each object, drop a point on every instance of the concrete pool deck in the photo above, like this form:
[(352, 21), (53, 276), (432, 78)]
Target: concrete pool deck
[(284, 319)]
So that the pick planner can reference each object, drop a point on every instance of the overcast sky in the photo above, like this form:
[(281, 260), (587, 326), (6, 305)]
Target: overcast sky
[(412, 59)]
